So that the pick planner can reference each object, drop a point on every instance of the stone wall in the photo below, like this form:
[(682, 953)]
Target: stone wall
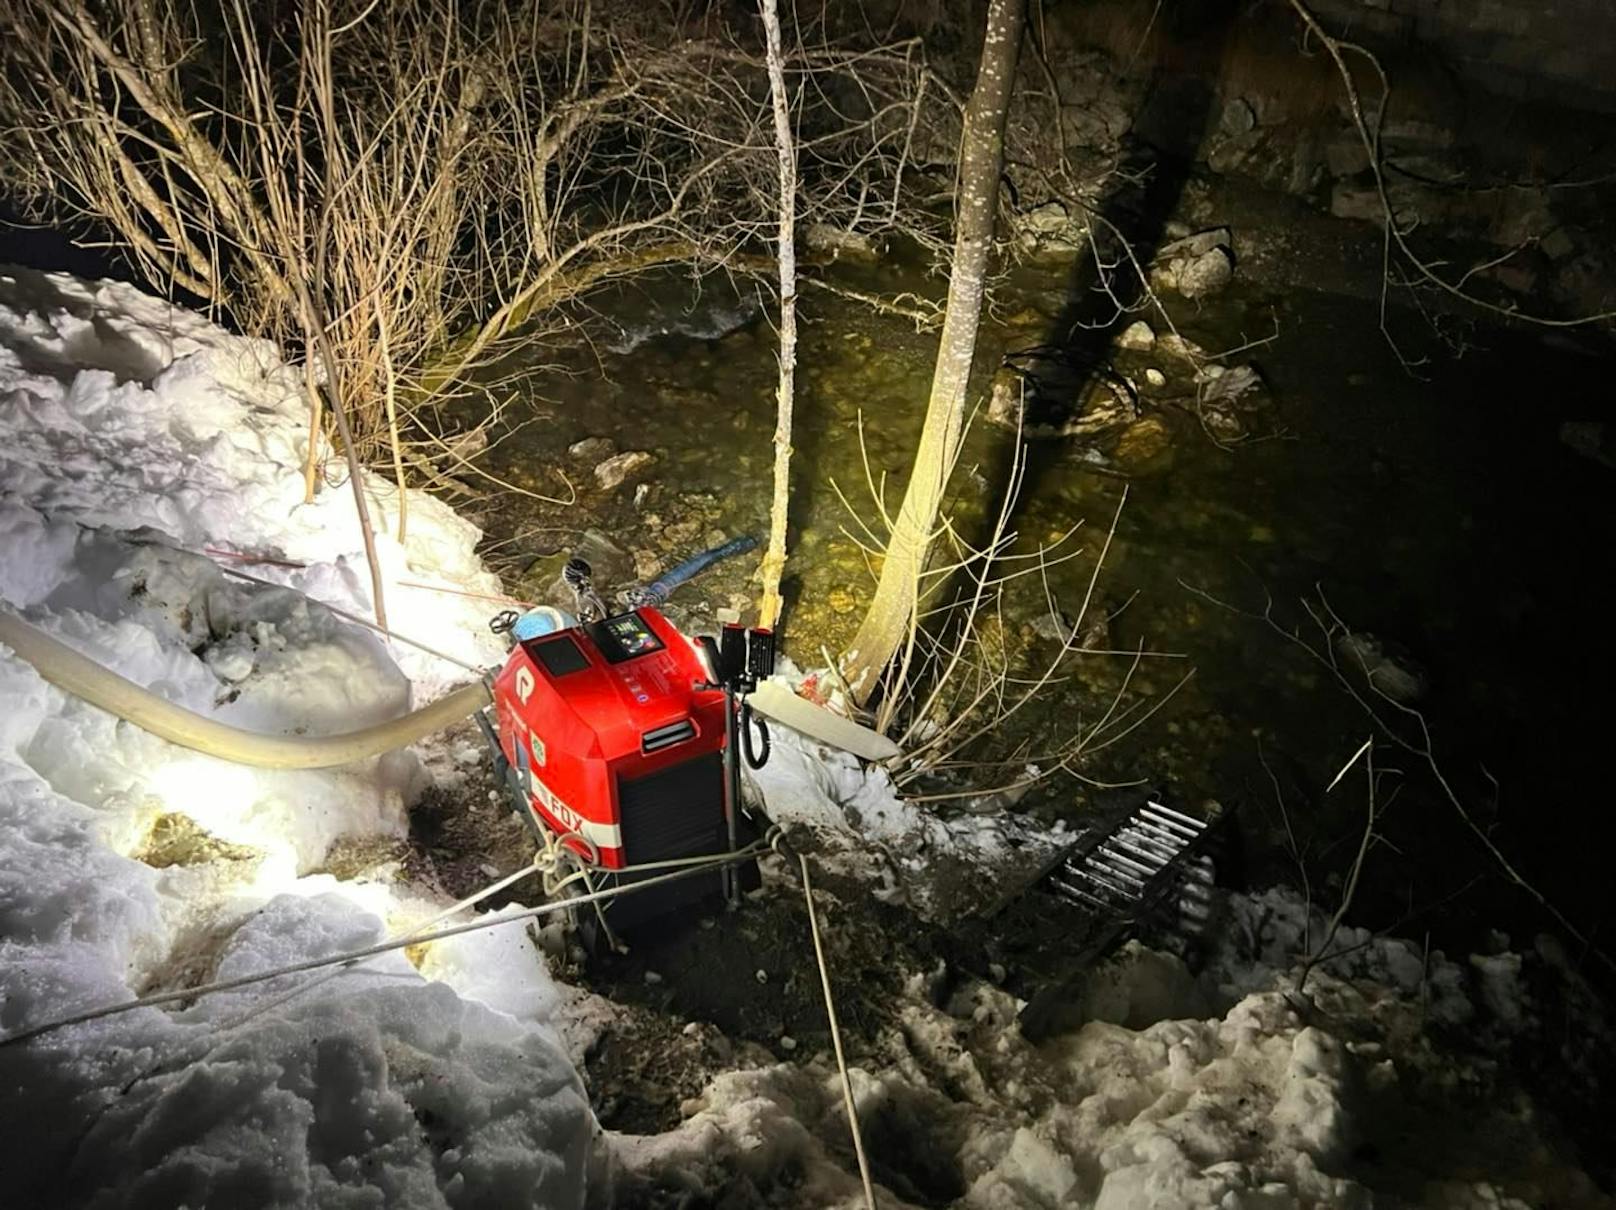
[(1556, 50)]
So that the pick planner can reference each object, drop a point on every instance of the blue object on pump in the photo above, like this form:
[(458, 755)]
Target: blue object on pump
[(540, 621)]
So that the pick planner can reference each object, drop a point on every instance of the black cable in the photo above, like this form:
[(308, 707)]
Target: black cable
[(747, 719)]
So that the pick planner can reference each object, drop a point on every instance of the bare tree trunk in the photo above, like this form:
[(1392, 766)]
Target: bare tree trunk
[(891, 613), (774, 559)]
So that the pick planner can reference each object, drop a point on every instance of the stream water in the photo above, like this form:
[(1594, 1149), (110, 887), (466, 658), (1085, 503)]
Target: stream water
[(1440, 513)]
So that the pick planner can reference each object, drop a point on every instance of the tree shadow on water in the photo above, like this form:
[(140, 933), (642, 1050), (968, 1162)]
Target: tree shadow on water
[(1159, 153)]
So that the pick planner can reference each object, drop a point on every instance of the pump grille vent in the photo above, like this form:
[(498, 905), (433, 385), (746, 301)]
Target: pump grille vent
[(658, 738), (675, 813)]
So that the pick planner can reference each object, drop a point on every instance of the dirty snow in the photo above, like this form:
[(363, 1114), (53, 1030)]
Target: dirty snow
[(943, 866)]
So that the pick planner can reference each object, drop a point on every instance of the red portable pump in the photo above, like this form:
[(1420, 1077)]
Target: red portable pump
[(613, 738)]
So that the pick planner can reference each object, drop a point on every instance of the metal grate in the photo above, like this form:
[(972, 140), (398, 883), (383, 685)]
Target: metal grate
[(1129, 870), (666, 736)]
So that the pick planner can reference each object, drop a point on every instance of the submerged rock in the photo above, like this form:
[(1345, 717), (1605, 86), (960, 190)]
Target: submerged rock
[(1199, 243), (592, 449), (1237, 384), (1238, 117), (618, 468), (1005, 400), (1138, 336), (838, 243), (1206, 274), (1396, 676), (1222, 421), (1049, 229), (1197, 265), (1143, 441), (1362, 202), (1592, 439), (1346, 156), (1177, 346)]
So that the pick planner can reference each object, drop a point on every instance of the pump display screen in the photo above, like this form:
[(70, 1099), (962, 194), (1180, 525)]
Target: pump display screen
[(624, 637)]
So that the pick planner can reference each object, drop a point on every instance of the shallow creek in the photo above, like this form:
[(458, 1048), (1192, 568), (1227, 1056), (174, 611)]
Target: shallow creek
[(1439, 513)]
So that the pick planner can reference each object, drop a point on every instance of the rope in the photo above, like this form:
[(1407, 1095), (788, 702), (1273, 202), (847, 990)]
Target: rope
[(544, 862), (409, 937), (353, 957), (836, 1038), (351, 617)]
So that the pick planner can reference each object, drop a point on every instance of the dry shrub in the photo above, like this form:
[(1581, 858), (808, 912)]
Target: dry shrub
[(400, 189)]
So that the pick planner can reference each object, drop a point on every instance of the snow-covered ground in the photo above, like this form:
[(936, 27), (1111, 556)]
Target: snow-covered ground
[(136, 441), (139, 444)]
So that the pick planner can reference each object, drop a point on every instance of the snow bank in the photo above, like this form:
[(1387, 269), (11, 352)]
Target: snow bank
[(945, 867), (136, 439), (1344, 1101), (126, 413)]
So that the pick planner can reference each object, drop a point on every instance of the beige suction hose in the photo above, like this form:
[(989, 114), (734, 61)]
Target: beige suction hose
[(81, 676)]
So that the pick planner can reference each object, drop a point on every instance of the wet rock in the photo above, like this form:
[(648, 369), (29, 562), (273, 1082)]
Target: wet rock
[(1558, 244), (1143, 441), (1360, 202), (1175, 345), (1049, 219), (1592, 439), (1228, 386), (615, 470), (837, 243), (1517, 279), (1238, 117), (1094, 634), (1521, 216), (1049, 230), (1346, 156), (680, 534), (1414, 133), (1228, 153), (1137, 336), (592, 449), (1056, 628), (1155, 377), (1105, 407), (1223, 422), (1388, 671), (712, 315), (1005, 399), (1197, 265), (1197, 244), (1206, 274)]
